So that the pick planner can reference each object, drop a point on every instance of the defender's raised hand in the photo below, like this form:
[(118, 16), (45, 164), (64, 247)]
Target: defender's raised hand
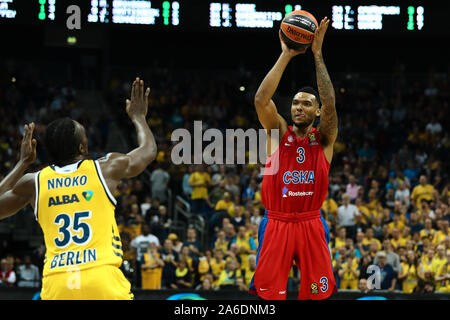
[(319, 34), (138, 105), (28, 146)]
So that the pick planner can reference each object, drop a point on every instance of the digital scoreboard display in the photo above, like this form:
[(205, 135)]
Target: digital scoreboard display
[(394, 17), (135, 12)]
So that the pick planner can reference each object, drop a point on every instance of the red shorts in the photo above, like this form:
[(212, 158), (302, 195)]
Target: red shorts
[(296, 237)]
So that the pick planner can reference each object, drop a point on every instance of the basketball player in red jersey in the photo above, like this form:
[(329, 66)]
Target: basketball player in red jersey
[(293, 229)]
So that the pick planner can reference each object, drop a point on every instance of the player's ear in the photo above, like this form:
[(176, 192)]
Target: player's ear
[(318, 110)]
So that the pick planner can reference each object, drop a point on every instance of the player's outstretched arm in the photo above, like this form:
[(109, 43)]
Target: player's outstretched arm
[(27, 157), (265, 107), (18, 197), (117, 166), (328, 115)]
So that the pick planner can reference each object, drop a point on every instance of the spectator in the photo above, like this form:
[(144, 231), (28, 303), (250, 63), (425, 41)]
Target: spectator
[(437, 264), (329, 208), (391, 257), (145, 206), (240, 283), (185, 186), (28, 274), (349, 273), (364, 264), (366, 153), (428, 231), (415, 225), (199, 181), (140, 244), (362, 286), (346, 216), (369, 238), (194, 245), (388, 278), (207, 283), (434, 127), (352, 188), (204, 266), (185, 254), (408, 275), (227, 277), (341, 237), (249, 271), (221, 241), (183, 276), (423, 190), (442, 233), (402, 194), (442, 276), (411, 172), (396, 240), (152, 268), (377, 228), (177, 245), (170, 259), (159, 180), (249, 192), (7, 274), (425, 266), (246, 246)]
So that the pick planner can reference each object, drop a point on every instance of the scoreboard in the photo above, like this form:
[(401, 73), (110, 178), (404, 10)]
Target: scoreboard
[(395, 17)]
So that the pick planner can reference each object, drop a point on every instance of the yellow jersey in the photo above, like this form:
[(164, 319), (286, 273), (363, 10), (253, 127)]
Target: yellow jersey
[(422, 192), (411, 280), (200, 192), (75, 210)]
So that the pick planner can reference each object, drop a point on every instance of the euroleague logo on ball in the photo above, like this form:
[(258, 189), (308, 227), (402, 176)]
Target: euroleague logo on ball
[(308, 37)]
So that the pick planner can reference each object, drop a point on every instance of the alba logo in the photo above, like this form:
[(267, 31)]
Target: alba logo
[(88, 195)]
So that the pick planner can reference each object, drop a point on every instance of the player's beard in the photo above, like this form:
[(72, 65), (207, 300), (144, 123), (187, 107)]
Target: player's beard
[(302, 125)]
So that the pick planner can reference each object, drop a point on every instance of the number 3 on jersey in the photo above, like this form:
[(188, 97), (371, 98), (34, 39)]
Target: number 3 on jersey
[(301, 155), (70, 230)]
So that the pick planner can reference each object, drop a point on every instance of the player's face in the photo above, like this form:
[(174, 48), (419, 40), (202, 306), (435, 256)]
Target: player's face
[(304, 109)]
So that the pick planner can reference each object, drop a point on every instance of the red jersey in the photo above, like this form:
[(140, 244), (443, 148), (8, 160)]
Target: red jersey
[(296, 175)]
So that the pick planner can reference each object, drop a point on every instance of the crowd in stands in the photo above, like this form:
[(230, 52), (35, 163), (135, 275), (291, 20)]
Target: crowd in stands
[(387, 207)]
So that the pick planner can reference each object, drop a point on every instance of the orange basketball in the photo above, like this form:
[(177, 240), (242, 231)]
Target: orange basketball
[(297, 29)]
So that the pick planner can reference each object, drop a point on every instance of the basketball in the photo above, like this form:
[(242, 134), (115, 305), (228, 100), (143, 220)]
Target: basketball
[(297, 29)]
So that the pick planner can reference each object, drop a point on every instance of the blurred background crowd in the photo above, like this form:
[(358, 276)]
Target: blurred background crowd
[(196, 226)]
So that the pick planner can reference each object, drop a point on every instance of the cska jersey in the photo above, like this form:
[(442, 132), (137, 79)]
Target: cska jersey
[(296, 174)]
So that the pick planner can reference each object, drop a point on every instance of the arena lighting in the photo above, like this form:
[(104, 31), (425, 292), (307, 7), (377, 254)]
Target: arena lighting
[(71, 40)]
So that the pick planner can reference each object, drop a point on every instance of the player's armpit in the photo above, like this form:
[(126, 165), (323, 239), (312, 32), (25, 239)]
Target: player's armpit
[(117, 166), (18, 197)]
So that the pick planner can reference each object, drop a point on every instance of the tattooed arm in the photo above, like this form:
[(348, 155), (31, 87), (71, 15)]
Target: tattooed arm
[(328, 115)]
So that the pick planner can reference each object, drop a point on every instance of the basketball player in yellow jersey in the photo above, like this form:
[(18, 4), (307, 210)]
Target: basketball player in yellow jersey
[(73, 203)]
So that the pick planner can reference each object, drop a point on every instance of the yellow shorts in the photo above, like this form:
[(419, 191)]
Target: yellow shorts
[(97, 283)]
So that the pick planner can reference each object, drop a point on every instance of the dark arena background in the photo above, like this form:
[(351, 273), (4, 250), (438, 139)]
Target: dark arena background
[(204, 60)]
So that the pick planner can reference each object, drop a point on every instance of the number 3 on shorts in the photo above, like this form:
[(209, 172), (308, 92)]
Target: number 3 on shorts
[(324, 282)]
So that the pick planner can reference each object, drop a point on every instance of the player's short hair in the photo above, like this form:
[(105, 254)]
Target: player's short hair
[(312, 91), (61, 141)]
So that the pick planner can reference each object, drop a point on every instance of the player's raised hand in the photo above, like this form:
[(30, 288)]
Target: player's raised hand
[(28, 146), (137, 105), (289, 51), (319, 34)]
